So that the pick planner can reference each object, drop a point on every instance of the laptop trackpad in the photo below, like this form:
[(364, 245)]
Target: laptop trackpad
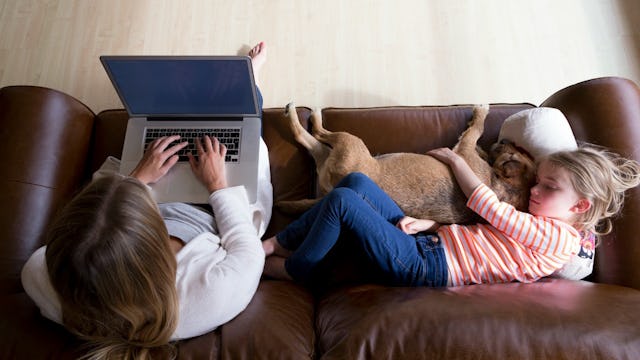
[(180, 185)]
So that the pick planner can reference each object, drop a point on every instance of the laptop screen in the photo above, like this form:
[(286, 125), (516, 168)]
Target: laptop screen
[(206, 86)]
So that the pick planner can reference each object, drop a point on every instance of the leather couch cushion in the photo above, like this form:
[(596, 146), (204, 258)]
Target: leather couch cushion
[(548, 319), (277, 324), (28, 335)]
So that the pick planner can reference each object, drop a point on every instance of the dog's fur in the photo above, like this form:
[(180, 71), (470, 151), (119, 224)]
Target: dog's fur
[(421, 185)]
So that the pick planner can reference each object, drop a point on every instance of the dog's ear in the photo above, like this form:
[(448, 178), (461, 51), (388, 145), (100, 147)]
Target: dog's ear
[(515, 167)]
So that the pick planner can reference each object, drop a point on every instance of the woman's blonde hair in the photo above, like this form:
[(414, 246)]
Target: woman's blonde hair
[(109, 260), (602, 177)]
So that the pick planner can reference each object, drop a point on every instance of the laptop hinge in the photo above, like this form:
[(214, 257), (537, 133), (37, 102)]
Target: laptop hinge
[(194, 118)]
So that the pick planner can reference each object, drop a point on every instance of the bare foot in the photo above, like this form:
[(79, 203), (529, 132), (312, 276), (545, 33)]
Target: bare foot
[(272, 247), (258, 55)]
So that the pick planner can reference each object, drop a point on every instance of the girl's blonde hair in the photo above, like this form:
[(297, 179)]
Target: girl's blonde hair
[(602, 177), (109, 260)]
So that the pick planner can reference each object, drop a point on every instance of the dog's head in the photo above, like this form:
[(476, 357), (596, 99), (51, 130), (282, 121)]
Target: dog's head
[(515, 169)]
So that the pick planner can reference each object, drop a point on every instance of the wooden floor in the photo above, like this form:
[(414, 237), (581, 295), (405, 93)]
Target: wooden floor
[(334, 52)]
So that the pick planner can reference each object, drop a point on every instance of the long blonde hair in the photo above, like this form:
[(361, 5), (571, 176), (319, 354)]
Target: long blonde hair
[(110, 262), (602, 177)]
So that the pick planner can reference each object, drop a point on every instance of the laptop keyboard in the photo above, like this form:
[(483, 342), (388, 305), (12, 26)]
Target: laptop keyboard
[(230, 137)]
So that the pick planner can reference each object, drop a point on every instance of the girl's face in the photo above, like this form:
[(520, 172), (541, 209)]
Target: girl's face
[(553, 195)]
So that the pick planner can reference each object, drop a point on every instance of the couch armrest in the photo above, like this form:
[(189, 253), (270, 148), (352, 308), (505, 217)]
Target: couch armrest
[(46, 139), (606, 111)]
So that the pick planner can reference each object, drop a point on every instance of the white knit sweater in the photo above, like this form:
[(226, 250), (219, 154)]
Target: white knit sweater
[(217, 274)]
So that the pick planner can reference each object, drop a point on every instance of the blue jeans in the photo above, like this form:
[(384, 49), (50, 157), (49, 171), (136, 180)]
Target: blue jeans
[(358, 210), (260, 99)]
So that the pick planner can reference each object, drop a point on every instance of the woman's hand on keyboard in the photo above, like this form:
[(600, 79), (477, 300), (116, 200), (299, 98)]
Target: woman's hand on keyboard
[(209, 168), (158, 159)]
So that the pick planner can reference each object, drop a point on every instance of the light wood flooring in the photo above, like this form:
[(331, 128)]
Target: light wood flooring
[(332, 52)]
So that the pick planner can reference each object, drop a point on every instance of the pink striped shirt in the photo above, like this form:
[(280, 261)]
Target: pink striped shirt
[(513, 246)]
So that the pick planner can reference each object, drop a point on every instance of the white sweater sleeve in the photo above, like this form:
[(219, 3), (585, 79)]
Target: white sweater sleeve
[(231, 211), (217, 277), (261, 209), (35, 281)]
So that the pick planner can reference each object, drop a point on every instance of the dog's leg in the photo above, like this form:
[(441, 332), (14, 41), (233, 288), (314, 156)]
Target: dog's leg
[(316, 124), (318, 151), (299, 133), (469, 138), (467, 146)]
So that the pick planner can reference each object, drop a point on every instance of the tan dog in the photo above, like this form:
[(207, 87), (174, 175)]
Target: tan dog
[(422, 186)]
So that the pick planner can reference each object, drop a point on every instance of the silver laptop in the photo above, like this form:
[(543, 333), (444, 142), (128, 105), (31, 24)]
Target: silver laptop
[(191, 96)]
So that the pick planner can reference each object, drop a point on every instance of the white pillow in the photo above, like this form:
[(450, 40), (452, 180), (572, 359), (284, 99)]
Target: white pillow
[(540, 131)]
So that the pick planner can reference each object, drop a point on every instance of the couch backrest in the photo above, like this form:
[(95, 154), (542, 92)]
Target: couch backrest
[(46, 136), (415, 129)]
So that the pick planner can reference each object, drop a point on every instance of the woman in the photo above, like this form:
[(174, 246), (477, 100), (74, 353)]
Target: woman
[(129, 276)]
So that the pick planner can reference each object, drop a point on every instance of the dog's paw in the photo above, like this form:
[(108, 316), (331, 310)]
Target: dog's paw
[(480, 113), (289, 108), (481, 109)]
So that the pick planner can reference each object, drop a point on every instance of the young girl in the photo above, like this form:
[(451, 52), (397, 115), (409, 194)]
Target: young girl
[(129, 275), (577, 192)]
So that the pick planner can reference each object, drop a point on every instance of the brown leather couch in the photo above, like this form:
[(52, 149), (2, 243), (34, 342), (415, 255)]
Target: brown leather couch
[(51, 143)]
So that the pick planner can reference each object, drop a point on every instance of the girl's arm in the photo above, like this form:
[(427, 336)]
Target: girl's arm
[(466, 178)]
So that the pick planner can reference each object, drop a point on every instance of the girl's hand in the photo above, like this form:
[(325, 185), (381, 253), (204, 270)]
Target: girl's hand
[(445, 155), (412, 226), (466, 178), (158, 159), (210, 167)]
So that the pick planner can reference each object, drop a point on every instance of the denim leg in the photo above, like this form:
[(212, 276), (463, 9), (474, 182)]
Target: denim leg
[(364, 187), (343, 209), (373, 195), (260, 104), (260, 100)]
